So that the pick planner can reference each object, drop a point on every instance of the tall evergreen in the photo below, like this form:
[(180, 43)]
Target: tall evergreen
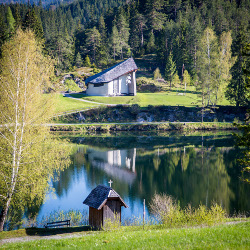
[(32, 21), (170, 69), (236, 90)]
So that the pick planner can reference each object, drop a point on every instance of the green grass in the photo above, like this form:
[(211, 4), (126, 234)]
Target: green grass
[(144, 99), (64, 104), (174, 97), (236, 236)]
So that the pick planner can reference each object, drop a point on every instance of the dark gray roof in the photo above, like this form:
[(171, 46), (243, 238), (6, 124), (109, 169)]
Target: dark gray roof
[(112, 73), (99, 195)]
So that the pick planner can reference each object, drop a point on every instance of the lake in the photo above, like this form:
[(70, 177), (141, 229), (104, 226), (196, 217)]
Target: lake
[(195, 168)]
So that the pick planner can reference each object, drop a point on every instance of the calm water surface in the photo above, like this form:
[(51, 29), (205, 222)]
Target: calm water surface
[(196, 169)]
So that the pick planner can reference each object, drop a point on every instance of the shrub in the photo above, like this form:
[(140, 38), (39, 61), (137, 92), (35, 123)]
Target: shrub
[(170, 214), (76, 217), (135, 109)]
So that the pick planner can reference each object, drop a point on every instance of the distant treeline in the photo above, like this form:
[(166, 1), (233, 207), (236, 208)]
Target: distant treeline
[(205, 38)]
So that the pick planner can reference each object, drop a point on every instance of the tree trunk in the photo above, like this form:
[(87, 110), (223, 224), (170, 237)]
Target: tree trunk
[(3, 214)]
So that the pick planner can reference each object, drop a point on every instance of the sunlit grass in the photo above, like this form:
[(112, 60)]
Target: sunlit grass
[(236, 236), (175, 97), (63, 104)]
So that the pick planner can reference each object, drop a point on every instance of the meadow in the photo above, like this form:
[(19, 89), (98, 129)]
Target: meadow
[(233, 236)]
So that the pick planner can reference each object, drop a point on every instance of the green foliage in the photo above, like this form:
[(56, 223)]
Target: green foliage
[(151, 43), (78, 61), (176, 80), (170, 69), (157, 74), (10, 23), (33, 22), (70, 85), (171, 215), (30, 156), (87, 62), (76, 217)]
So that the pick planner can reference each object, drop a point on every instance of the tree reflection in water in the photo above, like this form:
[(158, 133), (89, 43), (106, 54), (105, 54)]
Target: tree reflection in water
[(193, 169)]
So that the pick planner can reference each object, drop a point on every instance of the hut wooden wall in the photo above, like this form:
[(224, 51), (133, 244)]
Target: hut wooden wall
[(112, 210), (95, 217)]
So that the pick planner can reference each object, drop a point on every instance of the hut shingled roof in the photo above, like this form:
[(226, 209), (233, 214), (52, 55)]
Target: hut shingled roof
[(113, 72), (99, 195)]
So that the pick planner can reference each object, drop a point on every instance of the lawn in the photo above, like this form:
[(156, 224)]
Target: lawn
[(169, 98), (234, 236), (145, 99), (64, 104)]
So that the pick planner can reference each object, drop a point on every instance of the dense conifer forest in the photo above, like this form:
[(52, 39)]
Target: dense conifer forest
[(202, 42)]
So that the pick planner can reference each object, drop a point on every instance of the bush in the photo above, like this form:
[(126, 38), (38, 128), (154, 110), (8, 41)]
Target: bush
[(135, 109), (76, 217), (70, 85), (170, 214)]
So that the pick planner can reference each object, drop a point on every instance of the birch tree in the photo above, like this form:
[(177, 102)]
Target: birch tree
[(224, 64), (186, 79), (207, 58), (27, 160)]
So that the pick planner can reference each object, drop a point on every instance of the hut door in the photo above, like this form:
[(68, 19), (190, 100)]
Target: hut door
[(116, 86), (112, 211)]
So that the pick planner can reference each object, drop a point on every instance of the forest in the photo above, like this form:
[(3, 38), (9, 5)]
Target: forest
[(203, 43)]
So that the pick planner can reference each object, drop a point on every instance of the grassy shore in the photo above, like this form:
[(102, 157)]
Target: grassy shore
[(233, 236), (105, 127)]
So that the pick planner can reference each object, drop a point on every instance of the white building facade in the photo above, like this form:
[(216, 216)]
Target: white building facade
[(115, 81)]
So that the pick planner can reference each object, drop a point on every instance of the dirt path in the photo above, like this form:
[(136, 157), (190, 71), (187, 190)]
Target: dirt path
[(82, 100), (32, 238)]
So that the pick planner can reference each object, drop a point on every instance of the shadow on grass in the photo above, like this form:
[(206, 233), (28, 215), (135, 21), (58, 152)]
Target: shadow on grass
[(33, 231)]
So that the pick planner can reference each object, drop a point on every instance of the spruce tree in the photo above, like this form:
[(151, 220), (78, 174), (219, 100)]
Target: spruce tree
[(170, 69), (151, 43), (33, 22), (78, 61), (87, 62), (236, 90)]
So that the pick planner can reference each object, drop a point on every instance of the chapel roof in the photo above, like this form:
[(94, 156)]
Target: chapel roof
[(113, 72), (99, 195)]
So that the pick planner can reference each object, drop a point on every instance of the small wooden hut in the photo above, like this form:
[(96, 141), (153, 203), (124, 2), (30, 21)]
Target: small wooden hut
[(104, 204)]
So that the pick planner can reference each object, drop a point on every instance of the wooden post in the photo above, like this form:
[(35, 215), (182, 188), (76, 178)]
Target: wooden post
[(144, 213)]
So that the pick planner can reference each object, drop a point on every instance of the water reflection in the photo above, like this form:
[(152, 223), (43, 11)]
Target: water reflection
[(196, 170)]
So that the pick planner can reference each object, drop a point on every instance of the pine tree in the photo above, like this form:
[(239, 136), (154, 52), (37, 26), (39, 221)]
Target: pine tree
[(78, 61), (151, 43), (87, 62), (170, 69), (123, 31), (236, 91), (93, 39), (115, 44), (155, 14), (33, 22)]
